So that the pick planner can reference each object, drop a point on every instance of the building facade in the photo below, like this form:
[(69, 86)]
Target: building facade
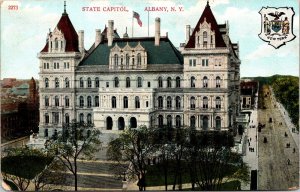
[(128, 81)]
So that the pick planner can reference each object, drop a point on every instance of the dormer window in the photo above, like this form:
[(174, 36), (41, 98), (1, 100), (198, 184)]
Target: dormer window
[(56, 43), (139, 59), (116, 60)]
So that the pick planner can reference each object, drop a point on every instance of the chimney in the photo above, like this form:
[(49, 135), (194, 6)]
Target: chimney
[(81, 41), (98, 37), (157, 31), (110, 32), (187, 33)]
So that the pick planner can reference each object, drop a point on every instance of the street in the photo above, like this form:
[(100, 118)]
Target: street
[(278, 164)]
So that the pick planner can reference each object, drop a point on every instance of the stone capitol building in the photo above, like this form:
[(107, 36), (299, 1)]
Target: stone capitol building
[(122, 82)]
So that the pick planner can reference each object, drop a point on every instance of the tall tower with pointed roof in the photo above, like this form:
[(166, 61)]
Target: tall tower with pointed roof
[(58, 60), (211, 71)]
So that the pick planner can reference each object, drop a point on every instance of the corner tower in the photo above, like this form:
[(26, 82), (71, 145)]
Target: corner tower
[(211, 73), (58, 60)]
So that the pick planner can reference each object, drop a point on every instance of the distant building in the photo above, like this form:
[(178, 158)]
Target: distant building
[(248, 93), (130, 81), (19, 108)]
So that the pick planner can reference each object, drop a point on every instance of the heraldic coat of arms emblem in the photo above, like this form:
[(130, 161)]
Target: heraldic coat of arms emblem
[(277, 25)]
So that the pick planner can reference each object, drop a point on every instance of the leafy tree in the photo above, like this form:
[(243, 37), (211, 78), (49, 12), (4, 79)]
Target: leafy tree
[(54, 174), (21, 165), (211, 159), (76, 141), (133, 146)]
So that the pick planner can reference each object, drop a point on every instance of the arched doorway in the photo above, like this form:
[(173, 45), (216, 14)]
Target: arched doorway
[(121, 123), (205, 122), (109, 123), (218, 123), (133, 123), (193, 122)]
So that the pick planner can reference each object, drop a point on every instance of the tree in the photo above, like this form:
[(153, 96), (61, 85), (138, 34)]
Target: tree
[(133, 146), (21, 165), (77, 140), (211, 159), (53, 174)]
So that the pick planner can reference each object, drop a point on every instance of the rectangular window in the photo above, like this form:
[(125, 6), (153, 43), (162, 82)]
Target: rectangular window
[(147, 103), (107, 84), (54, 65), (44, 65), (191, 62), (194, 62), (149, 84), (47, 65), (204, 62)]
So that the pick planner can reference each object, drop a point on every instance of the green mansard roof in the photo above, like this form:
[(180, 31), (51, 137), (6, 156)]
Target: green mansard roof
[(165, 53)]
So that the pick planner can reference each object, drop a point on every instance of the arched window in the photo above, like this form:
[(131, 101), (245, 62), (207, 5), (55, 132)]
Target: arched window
[(137, 102), (89, 82), (81, 101), (140, 84), (122, 59), (178, 102), (177, 82), (97, 83), (56, 83), (193, 121), (204, 35), (46, 101), (139, 60), (160, 121), (205, 102), (218, 82), (169, 102), (169, 121), (46, 118), (67, 83), (56, 101), (169, 82), (89, 101), (114, 102), (127, 82), (160, 82), (89, 118), (178, 121), (127, 60), (133, 123), (55, 118), (81, 118), (193, 105), (109, 123), (116, 80), (121, 123), (192, 81), (218, 103), (218, 123), (205, 82), (116, 59), (67, 118), (96, 101), (81, 82), (46, 83), (67, 101), (160, 102), (125, 102)]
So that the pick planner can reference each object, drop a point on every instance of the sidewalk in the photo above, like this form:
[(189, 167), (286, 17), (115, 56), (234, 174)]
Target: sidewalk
[(251, 142)]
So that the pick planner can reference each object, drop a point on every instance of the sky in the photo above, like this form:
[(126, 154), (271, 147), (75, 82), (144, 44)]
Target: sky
[(24, 31)]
